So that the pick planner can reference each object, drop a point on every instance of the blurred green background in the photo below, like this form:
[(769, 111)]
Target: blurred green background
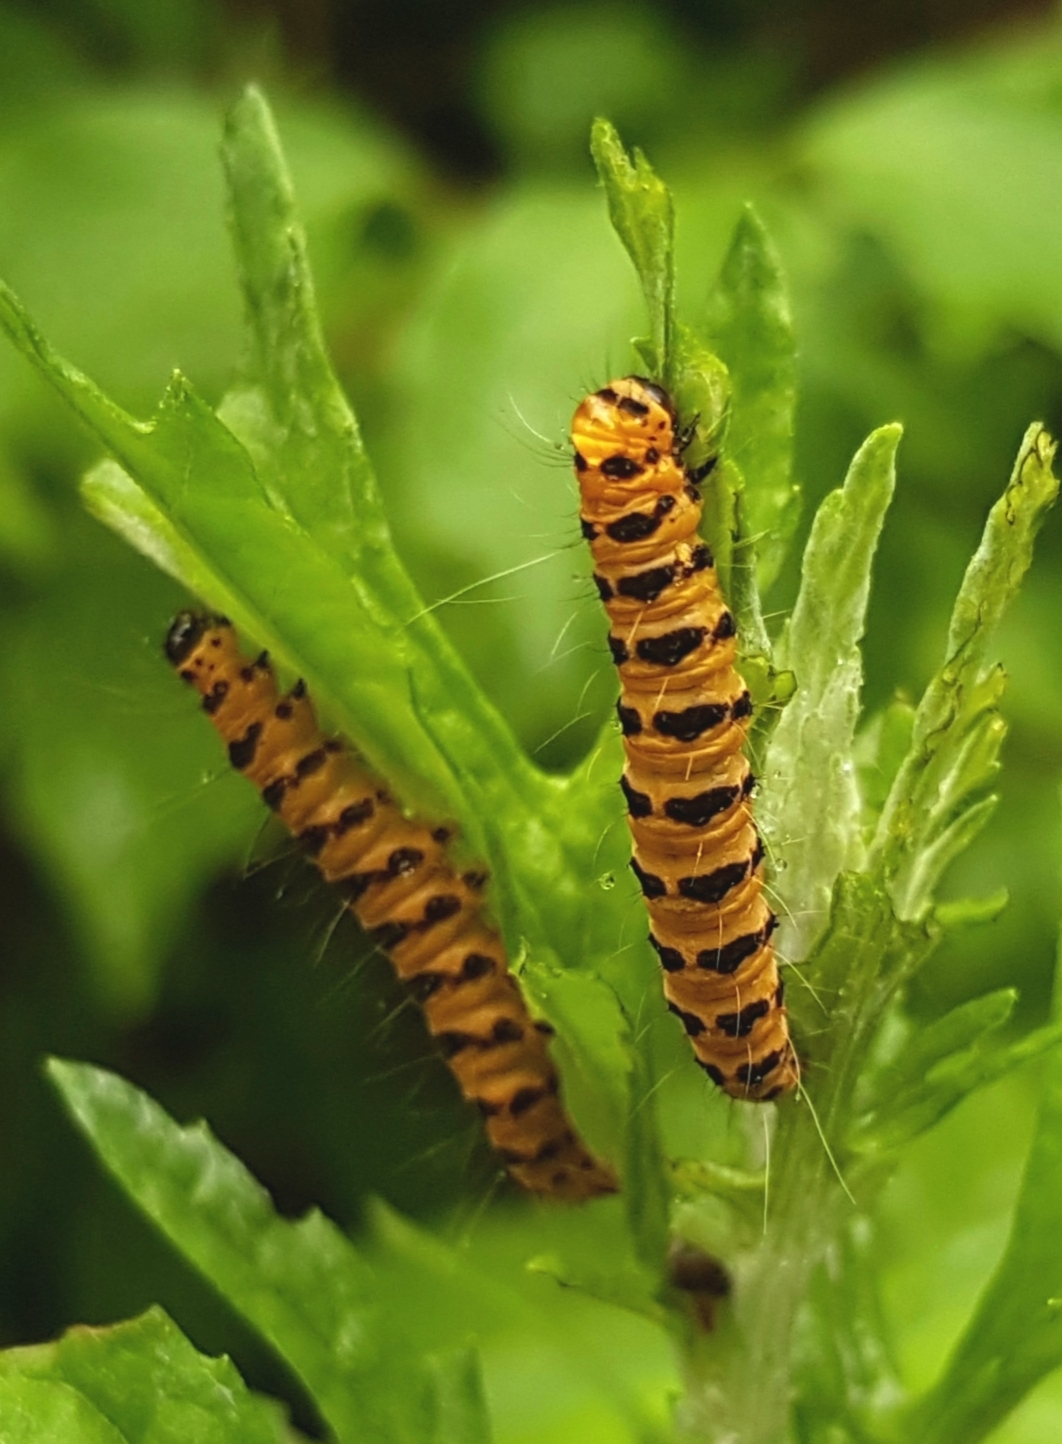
[(908, 160)]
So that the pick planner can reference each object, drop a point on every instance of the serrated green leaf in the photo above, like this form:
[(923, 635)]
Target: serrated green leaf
[(933, 810), (139, 1382), (643, 216), (303, 1286), (809, 782), (748, 323), (971, 912), (1015, 1335), (880, 747)]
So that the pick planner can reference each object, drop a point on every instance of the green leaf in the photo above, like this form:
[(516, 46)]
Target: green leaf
[(933, 808), (748, 323), (460, 1410), (880, 747), (139, 1382), (1015, 1335), (643, 216), (809, 780), (303, 1285), (294, 418)]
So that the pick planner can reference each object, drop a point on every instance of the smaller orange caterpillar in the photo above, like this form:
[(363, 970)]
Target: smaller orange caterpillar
[(399, 883)]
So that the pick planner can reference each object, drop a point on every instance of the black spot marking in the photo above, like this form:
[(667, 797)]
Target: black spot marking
[(607, 394), (441, 834), (333, 744), (699, 810), (552, 1148), (671, 960), (669, 649), (651, 885), (588, 529), (187, 674), (451, 1044), (639, 804), (772, 1094), (438, 909), (387, 935), (604, 587), (353, 815), (313, 839), (637, 525), (299, 690), (701, 559), (425, 985), (779, 993), (311, 762), (645, 586), (712, 887), (242, 749), (261, 662), (757, 855), (355, 885), (523, 1099), (652, 456), (724, 628), (769, 926), (630, 722), (749, 785), (687, 725), (657, 393), (632, 407), (214, 698), (284, 710), (475, 880), (476, 965), (506, 1030), (729, 958), (560, 1178), (404, 860), (247, 674), (186, 631), (618, 647), (581, 462), (740, 1025), (692, 1024), (546, 1029), (715, 1074), (753, 1074), (742, 707), (273, 793), (621, 468), (487, 1108)]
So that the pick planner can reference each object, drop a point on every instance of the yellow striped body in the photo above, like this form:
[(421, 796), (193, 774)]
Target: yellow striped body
[(396, 877), (685, 712)]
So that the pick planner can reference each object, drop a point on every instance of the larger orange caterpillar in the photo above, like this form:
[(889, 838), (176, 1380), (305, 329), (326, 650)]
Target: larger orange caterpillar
[(685, 713), (399, 883)]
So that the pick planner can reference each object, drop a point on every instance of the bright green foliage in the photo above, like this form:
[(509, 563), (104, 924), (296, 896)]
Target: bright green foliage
[(303, 1286), (268, 508), (139, 1382)]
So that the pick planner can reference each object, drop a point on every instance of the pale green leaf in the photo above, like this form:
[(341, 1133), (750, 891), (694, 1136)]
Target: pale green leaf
[(811, 803)]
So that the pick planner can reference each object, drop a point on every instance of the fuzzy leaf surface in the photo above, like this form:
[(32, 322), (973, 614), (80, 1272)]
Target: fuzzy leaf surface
[(810, 781)]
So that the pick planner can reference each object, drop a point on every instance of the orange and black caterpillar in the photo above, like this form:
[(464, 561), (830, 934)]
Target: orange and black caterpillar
[(399, 883), (684, 712)]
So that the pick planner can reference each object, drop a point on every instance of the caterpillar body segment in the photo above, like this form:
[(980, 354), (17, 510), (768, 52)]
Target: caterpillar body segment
[(684, 712), (397, 879)]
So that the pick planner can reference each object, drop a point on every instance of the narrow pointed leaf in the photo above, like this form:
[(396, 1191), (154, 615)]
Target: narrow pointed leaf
[(956, 735), (809, 780), (748, 323), (642, 214)]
